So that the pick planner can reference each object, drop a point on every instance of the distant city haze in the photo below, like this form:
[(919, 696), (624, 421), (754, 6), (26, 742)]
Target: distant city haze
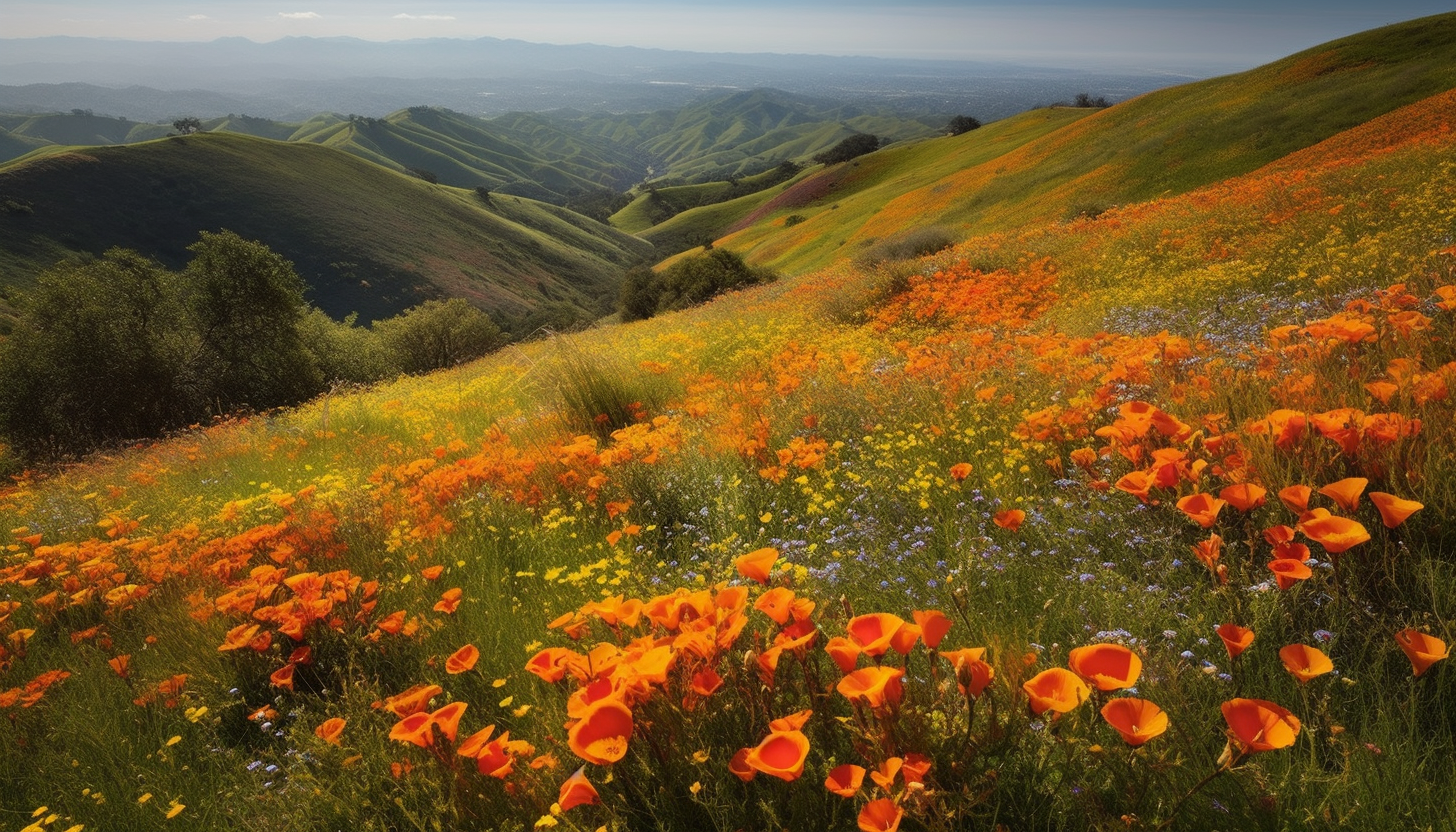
[(1174, 37)]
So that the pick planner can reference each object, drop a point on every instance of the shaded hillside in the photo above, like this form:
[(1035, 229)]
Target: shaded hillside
[(365, 239), (1166, 142)]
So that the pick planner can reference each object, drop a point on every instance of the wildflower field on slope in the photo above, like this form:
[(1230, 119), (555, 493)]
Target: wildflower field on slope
[(1134, 522)]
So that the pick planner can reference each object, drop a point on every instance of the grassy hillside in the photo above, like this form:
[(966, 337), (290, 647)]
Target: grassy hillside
[(1166, 142), (1118, 433), (365, 239)]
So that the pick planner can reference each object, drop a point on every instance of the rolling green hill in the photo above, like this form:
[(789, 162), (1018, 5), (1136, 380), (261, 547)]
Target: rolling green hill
[(365, 239), (1163, 143)]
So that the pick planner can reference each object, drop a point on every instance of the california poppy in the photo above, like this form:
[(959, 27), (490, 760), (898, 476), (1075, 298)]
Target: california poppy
[(1289, 571), (1202, 508), (1108, 666), (1259, 725), (330, 730), (1393, 510), (1305, 662), (447, 719), (283, 676), (781, 755), (601, 735), (933, 624), (577, 791), (414, 729), (1235, 639), (844, 652), (960, 471), (1055, 689), (972, 671), (1208, 551), (738, 765), (1137, 720), (874, 686), (756, 564), (1295, 498), (1334, 533), (1243, 496), (884, 777), (880, 815), (1423, 650), (462, 660), (1010, 520), (845, 780), (1346, 492), (874, 632)]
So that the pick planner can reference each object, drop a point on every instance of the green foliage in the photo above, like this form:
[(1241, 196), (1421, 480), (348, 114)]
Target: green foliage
[(345, 351), (438, 334), (962, 124), (850, 148), (97, 357), (688, 282), (907, 245), (245, 302)]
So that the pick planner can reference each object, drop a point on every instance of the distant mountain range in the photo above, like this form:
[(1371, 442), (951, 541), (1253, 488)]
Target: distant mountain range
[(293, 78)]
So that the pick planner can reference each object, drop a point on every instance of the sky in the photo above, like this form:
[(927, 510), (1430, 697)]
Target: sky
[(1135, 34)]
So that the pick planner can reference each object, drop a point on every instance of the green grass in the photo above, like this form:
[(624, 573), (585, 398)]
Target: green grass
[(365, 239)]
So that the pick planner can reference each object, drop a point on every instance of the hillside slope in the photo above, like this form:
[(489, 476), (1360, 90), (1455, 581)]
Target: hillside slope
[(1162, 143), (365, 239)]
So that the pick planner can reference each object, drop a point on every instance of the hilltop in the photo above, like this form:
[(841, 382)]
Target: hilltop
[(1162, 143), (364, 238)]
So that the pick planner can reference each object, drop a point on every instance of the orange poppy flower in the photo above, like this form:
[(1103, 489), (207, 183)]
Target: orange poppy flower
[(1295, 498), (1208, 551), (330, 730), (756, 564), (706, 682), (1236, 639), (1136, 483), (1423, 650), (781, 755), (933, 624), (238, 637), (120, 665), (1393, 510), (914, 767), (1244, 496), (1055, 689), (1289, 571), (1010, 520), (880, 815), (884, 777), (1346, 492), (960, 471), (1108, 666), (1336, 534), (462, 660), (1202, 508), (1286, 427), (904, 639), (1137, 720), (449, 601), (432, 573), (777, 604), (283, 676), (874, 632), (577, 791), (973, 673), (738, 766), (1259, 725), (874, 686), (414, 729), (845, 780), (844, 652), (552, 663), (601, 735), (1305, 662), (1277, 535)]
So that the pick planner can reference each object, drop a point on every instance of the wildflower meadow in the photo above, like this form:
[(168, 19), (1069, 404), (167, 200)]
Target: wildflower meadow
[(1134, 521)]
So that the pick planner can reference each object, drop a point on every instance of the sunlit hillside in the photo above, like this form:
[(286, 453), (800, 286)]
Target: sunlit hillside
[(1133, 518)]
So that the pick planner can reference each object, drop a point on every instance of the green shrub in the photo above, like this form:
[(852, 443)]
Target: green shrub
[(907, 245), (687, 282), (438, 334)]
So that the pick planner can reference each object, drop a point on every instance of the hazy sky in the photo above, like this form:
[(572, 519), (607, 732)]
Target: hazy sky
[(1232, 33)]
